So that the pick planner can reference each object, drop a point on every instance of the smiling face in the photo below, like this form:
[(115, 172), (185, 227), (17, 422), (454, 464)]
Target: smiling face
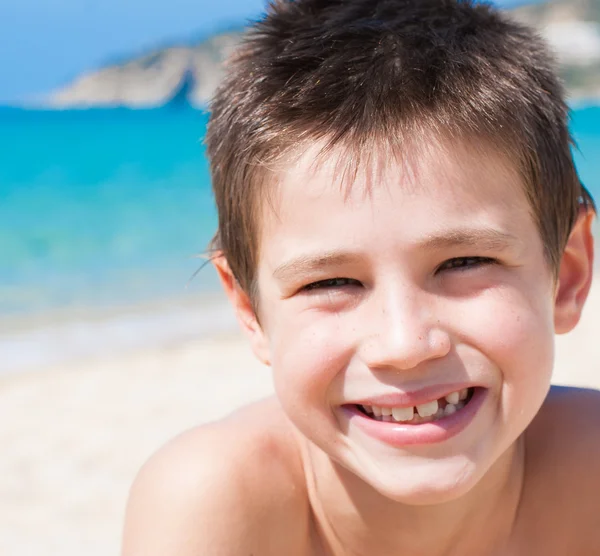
[(431, 280)]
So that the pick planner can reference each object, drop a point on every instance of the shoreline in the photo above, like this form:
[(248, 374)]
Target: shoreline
[(68, 336)]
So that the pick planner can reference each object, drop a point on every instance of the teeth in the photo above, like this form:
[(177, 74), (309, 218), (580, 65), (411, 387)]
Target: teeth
[(403, 413), (428, 409), (425, 412), (453, 398), (449, 409)]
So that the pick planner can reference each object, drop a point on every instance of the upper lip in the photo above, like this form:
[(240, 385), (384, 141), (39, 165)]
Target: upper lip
[(410, 399)]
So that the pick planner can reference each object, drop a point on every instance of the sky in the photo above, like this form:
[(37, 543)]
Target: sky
[(46, 43)]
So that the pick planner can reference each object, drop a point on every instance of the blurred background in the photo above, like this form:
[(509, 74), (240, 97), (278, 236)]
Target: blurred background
[(109, 344)]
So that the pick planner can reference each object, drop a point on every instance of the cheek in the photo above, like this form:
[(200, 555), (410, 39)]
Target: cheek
[(515, 332), (513, 325), (309, 350)]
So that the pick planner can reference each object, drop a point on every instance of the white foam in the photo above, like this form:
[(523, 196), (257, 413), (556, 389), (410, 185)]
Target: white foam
[(82, 338)]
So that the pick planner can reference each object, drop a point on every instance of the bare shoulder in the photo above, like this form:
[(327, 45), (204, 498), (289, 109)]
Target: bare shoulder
[(233, 487), (568, 427), (563, 469)]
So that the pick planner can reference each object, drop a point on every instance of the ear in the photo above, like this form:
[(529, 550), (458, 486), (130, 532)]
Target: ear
[(575, 274), (243, 309)]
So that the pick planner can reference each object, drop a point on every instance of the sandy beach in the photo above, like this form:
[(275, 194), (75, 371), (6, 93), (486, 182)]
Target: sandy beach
[(74, 436)]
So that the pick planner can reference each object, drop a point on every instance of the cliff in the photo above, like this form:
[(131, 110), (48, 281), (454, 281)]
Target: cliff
[(571, 26), (153, 79)]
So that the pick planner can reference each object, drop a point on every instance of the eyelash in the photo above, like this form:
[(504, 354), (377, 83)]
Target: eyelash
[(459, 264), (331, 283), (464, 263)]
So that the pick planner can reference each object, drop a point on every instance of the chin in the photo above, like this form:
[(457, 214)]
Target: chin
[(426, 483)]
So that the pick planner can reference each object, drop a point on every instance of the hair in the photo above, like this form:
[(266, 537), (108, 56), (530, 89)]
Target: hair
[(366, 74)]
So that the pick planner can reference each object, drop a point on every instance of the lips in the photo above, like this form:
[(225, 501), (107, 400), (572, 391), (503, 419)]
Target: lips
[(428, 424)]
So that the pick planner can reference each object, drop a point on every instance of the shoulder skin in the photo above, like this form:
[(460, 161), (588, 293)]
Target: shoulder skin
[(231, 488), (561, 496)]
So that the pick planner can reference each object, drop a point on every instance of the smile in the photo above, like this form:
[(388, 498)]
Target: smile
[(423, 413), (423, 423)]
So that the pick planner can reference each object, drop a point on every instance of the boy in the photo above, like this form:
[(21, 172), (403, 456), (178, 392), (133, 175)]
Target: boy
[(401, 233)]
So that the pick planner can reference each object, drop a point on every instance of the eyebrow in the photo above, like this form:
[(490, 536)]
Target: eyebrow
[(306, 264), (488, 239)]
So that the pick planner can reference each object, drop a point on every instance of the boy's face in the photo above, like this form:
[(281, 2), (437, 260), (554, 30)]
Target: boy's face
[(433, 281)]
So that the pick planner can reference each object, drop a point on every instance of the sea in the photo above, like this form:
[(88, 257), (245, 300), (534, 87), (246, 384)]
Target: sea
[(105, 219)]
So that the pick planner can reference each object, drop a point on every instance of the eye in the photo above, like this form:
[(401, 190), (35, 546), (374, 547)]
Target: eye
[(331, 283), (465, 263)]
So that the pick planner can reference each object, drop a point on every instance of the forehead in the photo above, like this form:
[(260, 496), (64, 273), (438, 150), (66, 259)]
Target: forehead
[(448, 175)]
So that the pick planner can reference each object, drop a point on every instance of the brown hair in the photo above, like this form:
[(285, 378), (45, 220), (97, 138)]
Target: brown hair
[(359, 73)]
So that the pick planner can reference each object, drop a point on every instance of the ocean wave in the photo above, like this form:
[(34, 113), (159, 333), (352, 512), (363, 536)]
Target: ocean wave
[(64, 340)]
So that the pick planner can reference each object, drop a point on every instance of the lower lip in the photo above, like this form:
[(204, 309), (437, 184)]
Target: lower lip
[(402, 434)]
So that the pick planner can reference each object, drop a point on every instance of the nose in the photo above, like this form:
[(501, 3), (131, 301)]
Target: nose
[(403, 331)]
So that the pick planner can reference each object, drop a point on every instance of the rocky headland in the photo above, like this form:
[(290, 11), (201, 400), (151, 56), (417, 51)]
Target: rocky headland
[(153, 79)]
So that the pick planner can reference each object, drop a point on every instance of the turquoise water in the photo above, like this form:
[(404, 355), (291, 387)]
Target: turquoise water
[(101, 207), (586, 130), (104, 207)]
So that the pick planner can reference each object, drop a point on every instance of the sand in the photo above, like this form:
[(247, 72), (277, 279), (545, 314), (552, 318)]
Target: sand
[(73, 438)]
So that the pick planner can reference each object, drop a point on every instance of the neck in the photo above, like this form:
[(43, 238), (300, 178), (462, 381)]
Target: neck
[(353, 518)]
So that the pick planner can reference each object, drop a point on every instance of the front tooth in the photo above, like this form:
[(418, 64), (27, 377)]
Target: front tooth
[(428, 409), (386, 411), (462, 395), (403, 413), (453, 398), (376, 411)]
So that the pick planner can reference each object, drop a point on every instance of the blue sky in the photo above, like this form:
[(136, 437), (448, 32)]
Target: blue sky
[(45, 43)]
